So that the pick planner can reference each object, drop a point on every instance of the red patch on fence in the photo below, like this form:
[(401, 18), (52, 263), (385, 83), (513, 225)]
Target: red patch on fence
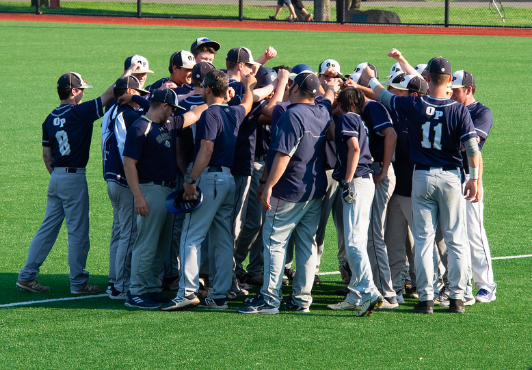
[(299, 26)]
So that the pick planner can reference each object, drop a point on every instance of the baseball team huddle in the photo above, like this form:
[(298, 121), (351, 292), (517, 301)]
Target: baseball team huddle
[(209, 168)]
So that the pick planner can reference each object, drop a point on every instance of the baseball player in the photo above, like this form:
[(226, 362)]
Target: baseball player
[(216, 134), (181, 63), (292, 194), (66, 138), (143, 69), (115, 124), (437, 126), (151, 169), (353, 171), (204, 49)]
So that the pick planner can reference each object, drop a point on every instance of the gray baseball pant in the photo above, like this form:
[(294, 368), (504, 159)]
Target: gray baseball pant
[(123, 235), (377, 252), (67, 199), (281, 221), (153, 241), (213, 216), (171, 262)]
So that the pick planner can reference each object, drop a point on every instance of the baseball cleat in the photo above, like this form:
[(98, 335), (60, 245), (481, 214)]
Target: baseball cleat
[(456, 306), (290, 273), (209, 302), (32, 286), (290, 305), (115, 294), (140, 301), (468, 301), (87, 289), (343, 306), (389, 303), (109, 289), (367, 308), (484, 296), (317, 280), (258, 305), (159, 297), (180, 303), (424, 307)]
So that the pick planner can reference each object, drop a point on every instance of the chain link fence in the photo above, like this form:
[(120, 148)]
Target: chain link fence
[(486, 13)]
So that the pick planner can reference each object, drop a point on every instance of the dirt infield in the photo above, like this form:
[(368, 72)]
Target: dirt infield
[(313, 26)]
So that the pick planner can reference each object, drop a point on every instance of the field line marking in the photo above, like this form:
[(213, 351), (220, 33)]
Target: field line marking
[(52, 300), (511, 257)]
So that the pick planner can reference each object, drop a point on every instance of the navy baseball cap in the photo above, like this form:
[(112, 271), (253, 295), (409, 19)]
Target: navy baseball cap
[(182, 59), (462, 78), (176, 205), (204, 41), (167, 96), (144, 65), (298, 68), (130, 82), (439, 65), (308, 82), (240, 55), (265, 76), (72, 80), (200, 70), (411, 83)]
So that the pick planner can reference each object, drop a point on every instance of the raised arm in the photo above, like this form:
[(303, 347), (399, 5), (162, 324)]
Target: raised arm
[(397, 55)]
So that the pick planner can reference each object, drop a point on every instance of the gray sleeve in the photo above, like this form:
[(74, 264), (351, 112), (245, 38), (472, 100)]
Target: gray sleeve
[(385, 97), (471, 147)]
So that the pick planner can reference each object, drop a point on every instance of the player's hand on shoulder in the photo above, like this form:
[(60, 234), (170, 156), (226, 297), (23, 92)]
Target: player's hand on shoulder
[(169, 85), (125, 99), (394, 53)]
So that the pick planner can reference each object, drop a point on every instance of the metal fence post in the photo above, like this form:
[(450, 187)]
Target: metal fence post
[(38, 7), (240, 10), (447, 13), (340, 11), (139, 8)]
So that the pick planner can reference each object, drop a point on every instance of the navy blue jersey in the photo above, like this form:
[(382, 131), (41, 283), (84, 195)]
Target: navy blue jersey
[(301, 133), (263, 140), (180, 90), (219, 124), (238, 86), (436, 127), (483, 122), (115, 124), (376, 119), (403, 166), (68, 131), (153, 145), (347, 126), (188, 134), (247, 141)]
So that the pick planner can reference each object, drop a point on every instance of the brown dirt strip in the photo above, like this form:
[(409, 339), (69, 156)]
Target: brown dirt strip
[(299, 26)]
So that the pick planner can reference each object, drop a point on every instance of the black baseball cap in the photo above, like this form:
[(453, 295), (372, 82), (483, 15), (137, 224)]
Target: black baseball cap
[(182, 59), (200, 70), (462, 78), (439, 65), (205, 42), (130, 82), (411, 83), (72, 80), (307, 82), (167, 96), (240, 55)]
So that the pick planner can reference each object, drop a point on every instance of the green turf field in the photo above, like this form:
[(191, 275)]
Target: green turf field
[(101, 334)]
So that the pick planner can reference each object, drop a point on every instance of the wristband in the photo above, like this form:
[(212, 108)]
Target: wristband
[(473, 173), (262, 182), (373, 83)]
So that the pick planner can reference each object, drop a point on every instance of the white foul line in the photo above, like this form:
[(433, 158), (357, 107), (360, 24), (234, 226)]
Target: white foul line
[(105, 295)]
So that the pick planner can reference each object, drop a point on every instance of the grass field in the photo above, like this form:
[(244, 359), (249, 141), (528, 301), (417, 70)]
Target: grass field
[(101, 334), (459, 13)]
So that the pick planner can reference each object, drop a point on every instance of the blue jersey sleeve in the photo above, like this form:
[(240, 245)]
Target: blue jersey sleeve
[(348, 127), (277, 112), (402, 105), (287, 137), (45, 138), (240, 113), (142, 102), (91, 110), (326, 103), (380, 118), (175, 123)]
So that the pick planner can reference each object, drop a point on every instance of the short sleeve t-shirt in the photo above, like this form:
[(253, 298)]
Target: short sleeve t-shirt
[(376, 119), (68, 131)]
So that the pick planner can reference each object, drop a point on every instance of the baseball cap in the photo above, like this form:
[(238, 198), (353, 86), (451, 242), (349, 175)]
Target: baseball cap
[(182, 59), (411, 83), (298, 68), (356, 77), (205, 42), (130, 82), (462, 78), (176, 205), (394, 70), (200, 70), (420, 68), (439, 65), (359, 68), (265, 76), (167, 96), (307, 81), (72, 80), (329, 63), (144, 65), (240, 55)]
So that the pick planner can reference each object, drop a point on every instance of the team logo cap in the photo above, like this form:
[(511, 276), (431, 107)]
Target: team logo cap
[(329, 63), (200, 70), (240, 55), (462, 78), (265, 76), (176, 205), (182, 59), (421, 69), (362, 66), (394, 71), (357, 78), (411, 83), (167, 96), (439, 65), (144, 64), (205, 42), (130, 82), (307, 81), (72, 80)]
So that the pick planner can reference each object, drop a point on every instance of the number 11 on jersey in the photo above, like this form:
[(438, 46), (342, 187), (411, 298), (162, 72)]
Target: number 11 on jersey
[(436, 141)]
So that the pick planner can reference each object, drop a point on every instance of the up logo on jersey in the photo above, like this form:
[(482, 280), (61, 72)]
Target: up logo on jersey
[(59, 121)]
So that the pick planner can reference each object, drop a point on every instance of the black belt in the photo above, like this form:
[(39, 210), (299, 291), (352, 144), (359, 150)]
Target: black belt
[(68, 169), (168, 184), (447, 167), (215, 169), (260, 158), (366, 176)]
